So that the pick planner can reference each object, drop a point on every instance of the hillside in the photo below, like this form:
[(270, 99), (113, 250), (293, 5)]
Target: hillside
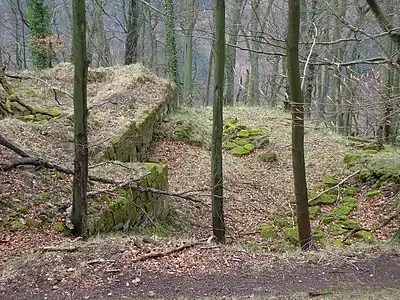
[(353, 188)]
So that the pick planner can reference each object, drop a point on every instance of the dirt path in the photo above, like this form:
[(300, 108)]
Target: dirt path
[(239, 276)]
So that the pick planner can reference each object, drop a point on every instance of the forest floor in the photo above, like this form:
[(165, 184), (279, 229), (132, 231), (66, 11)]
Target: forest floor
[(106, 267)]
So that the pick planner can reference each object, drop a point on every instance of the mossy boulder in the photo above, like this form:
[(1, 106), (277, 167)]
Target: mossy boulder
[(239, 151), (318, 234), (330, 181), (268, 157), (343, 210), (335, 229), (313, 212), (351, 223), (279, 220), (17, 224), (350, 191), (131, 208), (364, 235), (267, 231), (241, 140), (326, 199), (291, 235)]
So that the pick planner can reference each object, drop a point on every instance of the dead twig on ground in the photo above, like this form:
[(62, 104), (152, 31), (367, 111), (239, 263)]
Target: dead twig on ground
[(388, 220), (61, 249), (165, 253), (334, 187)]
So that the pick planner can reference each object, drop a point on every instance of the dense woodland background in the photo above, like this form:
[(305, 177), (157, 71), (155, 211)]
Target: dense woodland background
[(350, 79)]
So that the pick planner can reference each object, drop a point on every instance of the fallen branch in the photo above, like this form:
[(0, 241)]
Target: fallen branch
[(39, 163), (334, 187), (14, 98), (42, 81), (353, 231), (165, 253), (62, 249), (388, 220)]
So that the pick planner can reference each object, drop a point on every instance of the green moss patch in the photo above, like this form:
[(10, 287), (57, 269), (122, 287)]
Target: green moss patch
[(374, 193), (241, 140), (291, 235), (131, 208), (324, 199), (267, 231)]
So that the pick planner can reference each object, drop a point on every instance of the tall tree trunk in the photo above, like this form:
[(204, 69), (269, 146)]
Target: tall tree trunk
[(216, 150), (99, 49), (170, 42), (79, 203), (188, 55), (297, 107), (309, 91), (132, 35), (231, 51), (254, 80)]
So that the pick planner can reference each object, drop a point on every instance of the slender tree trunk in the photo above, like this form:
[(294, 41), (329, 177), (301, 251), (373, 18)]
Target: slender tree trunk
[(299, 172), (188, 55), (254, 80), (216, 151), (132, 36), (170, 42), (231, 51), (79, 204)]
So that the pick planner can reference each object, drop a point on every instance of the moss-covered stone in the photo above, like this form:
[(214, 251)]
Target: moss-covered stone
[(349, 200), (261, 141), (351, 158), (291, 234), (330, 180), (279, 220), (229, 145), (23, 210), (335, 229), (327, 219), (351, 223), (318, 234), (17, 224), (363, 234), (350, 191), (374, 193), (370, 151), (268, 156), (326, 199), (239, 151), (313, 212), (132, 207), (343, 210), (364, 176), (31, 222), (267, 231), (249, 147)]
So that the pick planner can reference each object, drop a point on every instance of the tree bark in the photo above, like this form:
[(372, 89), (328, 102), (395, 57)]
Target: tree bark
[(216, 151), (188, 55), (297, 108), (231, 51), (79, 204), (132, 35), (170, 42)]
